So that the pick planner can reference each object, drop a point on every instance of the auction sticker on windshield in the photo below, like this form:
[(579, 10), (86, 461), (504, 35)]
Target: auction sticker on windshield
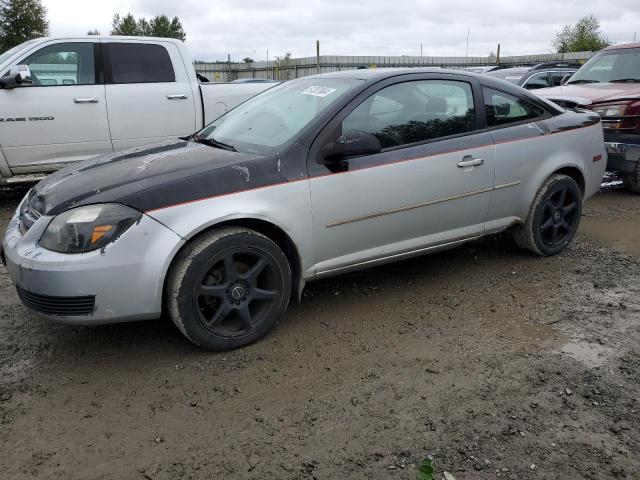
[(318, 91)]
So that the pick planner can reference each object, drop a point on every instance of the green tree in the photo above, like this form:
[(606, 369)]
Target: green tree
[(247, 60), (126, 25), (21, 20), (159, 26), (177, 30), (144, 28), (584, 36), (95, 31)]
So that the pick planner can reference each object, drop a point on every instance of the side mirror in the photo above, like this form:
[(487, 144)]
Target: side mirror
[(566, 78), (19, 76), (352, 144)]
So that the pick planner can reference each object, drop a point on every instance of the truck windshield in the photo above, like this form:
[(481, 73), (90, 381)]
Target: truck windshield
[(610, 66), (276, 116), (14, 50)]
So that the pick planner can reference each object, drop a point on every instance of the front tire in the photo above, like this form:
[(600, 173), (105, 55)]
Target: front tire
[(554, 217), (631, 180), (228, 288)]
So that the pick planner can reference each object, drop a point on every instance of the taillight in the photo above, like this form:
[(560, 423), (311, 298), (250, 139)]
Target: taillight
[(631, 119)]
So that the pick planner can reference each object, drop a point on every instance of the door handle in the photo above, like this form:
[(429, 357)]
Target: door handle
[(469, 161), (178, 96), (85, 100)]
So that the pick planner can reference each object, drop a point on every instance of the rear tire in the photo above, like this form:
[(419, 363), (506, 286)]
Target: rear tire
[(553, 218), (632, 180), (228, 288)]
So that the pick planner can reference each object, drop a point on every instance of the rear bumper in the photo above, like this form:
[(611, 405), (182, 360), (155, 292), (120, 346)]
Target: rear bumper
[(623, 152), (122, 282)]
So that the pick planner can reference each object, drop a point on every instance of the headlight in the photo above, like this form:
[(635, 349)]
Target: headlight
[(88, 228), (610, 110)]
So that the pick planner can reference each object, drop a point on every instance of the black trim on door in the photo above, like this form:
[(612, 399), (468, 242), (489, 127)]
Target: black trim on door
[(98, 63)]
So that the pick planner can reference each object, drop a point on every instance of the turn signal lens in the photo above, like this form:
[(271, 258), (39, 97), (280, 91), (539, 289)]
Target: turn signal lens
[(99, 232)]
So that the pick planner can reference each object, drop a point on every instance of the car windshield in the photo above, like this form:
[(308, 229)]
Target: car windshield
[(610, 66), (14, 50), (509, 75), (273, 118)]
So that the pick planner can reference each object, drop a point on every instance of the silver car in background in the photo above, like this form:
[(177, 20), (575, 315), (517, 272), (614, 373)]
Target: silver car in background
[(313, 178)]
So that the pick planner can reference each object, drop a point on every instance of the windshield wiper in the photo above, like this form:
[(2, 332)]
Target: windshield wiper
[(211, 142), (583, 80), (625, 80)]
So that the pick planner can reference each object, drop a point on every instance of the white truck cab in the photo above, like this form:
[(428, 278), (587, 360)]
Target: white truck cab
[(69, 99)]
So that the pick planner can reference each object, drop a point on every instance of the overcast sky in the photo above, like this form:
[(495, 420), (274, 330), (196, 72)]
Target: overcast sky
[(353, 27)]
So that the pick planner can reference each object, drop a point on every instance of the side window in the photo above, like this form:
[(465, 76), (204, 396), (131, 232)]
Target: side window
[(503, 109), (137, 63), (415, 111), (539, 80), (556, 77), (63, 64)]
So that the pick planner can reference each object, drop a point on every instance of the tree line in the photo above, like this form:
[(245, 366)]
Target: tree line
[(22, 20)]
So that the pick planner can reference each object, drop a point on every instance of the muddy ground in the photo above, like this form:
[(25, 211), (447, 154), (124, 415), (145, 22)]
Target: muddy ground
[(496, 363)]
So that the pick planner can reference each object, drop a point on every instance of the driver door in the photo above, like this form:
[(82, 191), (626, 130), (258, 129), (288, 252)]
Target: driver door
[(62, 117), (430, 185)]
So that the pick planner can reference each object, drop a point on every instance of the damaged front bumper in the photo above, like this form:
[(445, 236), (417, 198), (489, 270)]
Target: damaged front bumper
[(623, 152), (122, 282)]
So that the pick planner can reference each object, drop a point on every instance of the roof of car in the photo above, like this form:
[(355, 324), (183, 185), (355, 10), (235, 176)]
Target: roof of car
[(508, 71), (382, 73), (624, 45)]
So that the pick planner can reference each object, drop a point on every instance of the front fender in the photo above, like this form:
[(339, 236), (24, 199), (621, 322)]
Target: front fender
[(286, 206)]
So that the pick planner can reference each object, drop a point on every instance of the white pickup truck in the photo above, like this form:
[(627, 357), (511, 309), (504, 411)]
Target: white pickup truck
[(69, 99)]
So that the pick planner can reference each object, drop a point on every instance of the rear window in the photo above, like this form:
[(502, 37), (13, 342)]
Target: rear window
[(504, 109), (137, 63)]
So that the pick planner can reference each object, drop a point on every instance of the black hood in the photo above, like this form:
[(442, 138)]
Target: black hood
[(152, 177)]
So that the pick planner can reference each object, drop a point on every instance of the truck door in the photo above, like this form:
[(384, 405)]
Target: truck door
[(148, 99), (62, 116)]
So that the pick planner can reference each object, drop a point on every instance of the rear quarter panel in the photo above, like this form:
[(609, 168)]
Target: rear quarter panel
[(530, 153)]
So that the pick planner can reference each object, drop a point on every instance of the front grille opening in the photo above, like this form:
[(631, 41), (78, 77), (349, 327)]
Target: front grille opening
[(59, 306)]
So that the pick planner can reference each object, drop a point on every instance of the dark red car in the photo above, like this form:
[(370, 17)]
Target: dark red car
[(609, 84)]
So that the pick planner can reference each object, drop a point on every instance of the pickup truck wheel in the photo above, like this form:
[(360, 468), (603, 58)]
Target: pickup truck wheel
[(228, 288), (553, 218), (632, 180)]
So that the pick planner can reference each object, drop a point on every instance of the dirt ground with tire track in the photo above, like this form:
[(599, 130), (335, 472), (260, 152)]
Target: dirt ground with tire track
[(496, 363)]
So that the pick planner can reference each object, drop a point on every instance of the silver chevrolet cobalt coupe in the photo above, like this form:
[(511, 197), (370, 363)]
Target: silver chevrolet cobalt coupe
[(313, 178)]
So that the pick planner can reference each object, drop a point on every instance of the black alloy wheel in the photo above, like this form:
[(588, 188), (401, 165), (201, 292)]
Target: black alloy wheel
[(236, 291), (554, 217), (227, 288), (558, 219)]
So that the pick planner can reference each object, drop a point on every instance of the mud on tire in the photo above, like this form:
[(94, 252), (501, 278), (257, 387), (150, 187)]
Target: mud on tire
[(228, 288), (553, 218)]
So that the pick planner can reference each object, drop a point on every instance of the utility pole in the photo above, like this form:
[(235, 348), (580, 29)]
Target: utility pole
[(318, 55), (467, 51), (498, 56), (420, 49), (634, 37), (267, 54)]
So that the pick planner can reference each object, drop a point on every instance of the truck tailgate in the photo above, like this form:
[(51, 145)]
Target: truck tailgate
[(218, 98)]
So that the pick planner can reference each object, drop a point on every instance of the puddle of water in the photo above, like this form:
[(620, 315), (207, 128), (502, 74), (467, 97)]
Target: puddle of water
[(591, 354), (621, 234), (534, 333)]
